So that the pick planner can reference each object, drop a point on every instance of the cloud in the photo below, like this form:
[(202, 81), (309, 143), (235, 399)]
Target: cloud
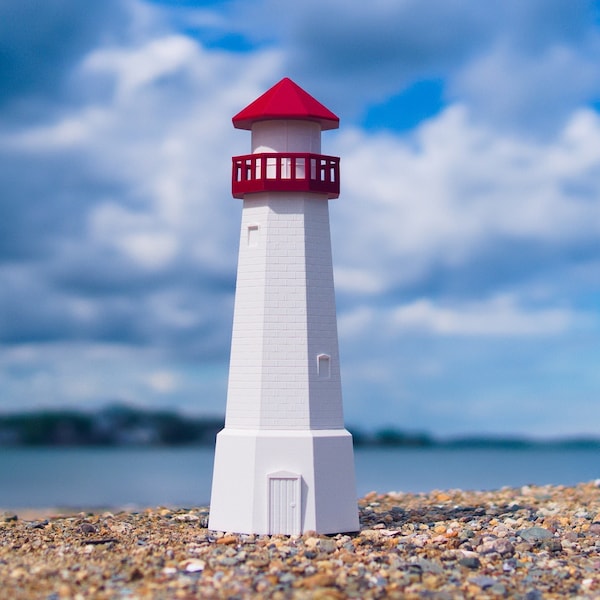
[(498, 316), (456, 198), (374, 52), (85, 375), (465, 246), (520, 65), (534, 92), (42, 42), (163, 382), (117, 210)]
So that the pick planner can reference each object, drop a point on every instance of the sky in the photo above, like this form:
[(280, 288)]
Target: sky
[(466, 239)]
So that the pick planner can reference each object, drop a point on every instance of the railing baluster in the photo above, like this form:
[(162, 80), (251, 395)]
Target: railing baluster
[(286, 171)]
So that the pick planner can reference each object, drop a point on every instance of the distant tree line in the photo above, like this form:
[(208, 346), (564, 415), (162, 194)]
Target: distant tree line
[(122, 425), (113, 426)]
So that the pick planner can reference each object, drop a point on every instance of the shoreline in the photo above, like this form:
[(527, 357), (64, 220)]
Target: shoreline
[(533, 542)]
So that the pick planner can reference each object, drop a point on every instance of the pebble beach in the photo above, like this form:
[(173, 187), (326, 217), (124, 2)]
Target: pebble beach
[(527, 543)]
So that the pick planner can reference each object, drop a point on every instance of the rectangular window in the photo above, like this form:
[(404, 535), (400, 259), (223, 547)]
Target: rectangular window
[(248, 170), (323, 366), (300, 168), (257, 170), (271, 168), (252, 236), (322, 169)]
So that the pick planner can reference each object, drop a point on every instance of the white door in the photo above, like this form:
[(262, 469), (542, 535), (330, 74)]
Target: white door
[(284, 503)]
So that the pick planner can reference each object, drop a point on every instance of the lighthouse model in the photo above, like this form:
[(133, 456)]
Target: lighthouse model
[(284, 461)]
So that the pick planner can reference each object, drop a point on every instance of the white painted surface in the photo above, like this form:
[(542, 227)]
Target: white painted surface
[(284, 318), (284, 400), (286, 136), (323, 459)]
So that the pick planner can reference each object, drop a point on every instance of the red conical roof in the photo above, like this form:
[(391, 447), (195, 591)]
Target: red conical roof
[(285, 100)]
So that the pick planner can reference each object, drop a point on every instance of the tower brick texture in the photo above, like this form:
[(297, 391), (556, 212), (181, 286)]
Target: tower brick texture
[(284, 461)]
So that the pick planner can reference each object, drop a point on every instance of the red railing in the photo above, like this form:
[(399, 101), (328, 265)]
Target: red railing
[(285, 172)]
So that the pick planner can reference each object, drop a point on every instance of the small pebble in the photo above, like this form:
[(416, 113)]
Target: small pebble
[(471, 562), (87, 528), (8, 517), (535, 534), (483, 581), (195, 566)]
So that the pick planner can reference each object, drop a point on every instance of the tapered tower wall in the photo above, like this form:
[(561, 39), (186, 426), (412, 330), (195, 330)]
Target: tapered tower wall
[(284, 367), (284, 462)]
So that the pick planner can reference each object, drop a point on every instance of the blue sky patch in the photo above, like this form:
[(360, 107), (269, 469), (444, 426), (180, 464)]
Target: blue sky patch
[(420, 101)]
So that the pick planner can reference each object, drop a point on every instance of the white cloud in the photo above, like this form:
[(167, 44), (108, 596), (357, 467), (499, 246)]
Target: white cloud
[(453, 189), (535, 92), (168, 141), (87, 376), (75, 130), (142, 238), (139, 67), (500, 316), (172, 311), (369, 51), (355, 281), (496, 317), (356, 321), (161, 140), (456, 246), (162, 382), (150, 250), (523, 65)]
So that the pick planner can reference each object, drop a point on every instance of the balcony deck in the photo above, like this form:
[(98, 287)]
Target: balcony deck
[(285, 172)]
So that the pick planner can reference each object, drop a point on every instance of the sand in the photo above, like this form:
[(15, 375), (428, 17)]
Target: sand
[(530, 543)]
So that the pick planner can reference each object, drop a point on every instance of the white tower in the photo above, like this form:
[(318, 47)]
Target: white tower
[(284, 461)]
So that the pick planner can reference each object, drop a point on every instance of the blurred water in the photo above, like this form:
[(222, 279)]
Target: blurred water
[(98, 477)]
